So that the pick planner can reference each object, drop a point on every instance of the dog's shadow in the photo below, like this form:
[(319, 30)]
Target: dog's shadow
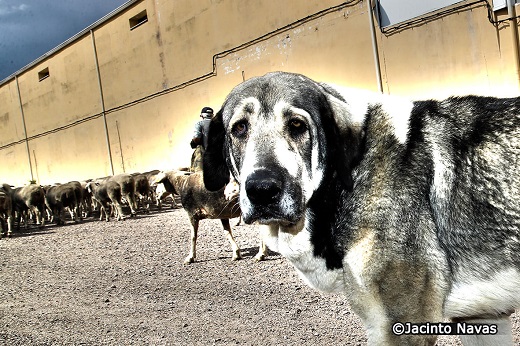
[(250, 253)]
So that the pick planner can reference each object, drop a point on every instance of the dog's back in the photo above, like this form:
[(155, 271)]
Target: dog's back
[(475, 196), (200, 202), (475, 200)]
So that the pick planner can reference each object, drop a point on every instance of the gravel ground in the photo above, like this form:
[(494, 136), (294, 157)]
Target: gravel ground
[(123, 283)]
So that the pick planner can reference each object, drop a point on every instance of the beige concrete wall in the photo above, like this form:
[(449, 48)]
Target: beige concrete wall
[(157, 77), (75, 153), (69, 94), (11, 125), (462, 53), (15, 165)]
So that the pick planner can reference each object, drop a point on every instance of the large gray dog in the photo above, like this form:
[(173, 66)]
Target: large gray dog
[(409, 208)]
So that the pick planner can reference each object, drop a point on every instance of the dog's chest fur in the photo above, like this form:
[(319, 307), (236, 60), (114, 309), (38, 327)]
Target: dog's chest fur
[(296, 245)]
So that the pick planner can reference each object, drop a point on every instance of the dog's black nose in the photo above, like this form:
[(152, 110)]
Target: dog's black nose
[(263, 188)]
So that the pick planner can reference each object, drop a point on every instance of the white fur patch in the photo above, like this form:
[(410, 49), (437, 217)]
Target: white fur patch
[(443, 172), (239, 110), (281, 149), (240, 113), (286, 158), (501, 293), (232, 189), (357, 258), (443, 177), (298, 249), (248, 166), (398, 109), (310, 180)]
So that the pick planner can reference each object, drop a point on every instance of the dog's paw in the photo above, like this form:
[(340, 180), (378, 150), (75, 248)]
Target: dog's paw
[(188, 260), (237, 256), (259, 257)]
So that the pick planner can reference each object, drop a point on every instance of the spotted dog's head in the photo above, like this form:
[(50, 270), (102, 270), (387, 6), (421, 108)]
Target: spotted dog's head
[(282, 136)]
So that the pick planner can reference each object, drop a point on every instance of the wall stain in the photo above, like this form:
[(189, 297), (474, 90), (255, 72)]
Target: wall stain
[(4, 119)]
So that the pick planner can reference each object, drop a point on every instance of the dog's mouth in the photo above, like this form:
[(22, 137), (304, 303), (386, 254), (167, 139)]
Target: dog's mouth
[(270, 221), (270, 216)]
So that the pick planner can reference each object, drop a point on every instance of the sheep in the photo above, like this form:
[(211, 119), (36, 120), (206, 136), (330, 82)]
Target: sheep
[(161, 195), (29, 198), (201, 204), (6, 210), (106, 192)]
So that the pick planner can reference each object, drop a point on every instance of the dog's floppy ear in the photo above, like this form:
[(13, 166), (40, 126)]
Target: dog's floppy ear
[(215, 170), (346, 142)]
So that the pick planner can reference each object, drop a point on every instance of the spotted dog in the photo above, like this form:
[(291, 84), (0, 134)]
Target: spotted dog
[(409, 208)]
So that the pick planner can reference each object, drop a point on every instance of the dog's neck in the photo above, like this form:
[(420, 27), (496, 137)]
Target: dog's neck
[(313, 245), (319, 221)]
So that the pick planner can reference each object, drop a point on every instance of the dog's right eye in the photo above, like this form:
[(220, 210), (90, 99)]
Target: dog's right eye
[(296, 127), (239, 129)]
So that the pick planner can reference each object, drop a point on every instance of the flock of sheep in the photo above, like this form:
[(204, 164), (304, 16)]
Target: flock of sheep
[(20, 205), (49, 203)]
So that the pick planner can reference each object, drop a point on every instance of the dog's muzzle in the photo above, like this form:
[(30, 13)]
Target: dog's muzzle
[(269, 199), (263, 189)]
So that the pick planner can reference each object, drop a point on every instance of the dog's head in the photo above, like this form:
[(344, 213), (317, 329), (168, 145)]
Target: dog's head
[(281, 136)]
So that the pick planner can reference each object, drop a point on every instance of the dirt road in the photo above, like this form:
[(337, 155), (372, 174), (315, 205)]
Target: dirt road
[(123, 283)]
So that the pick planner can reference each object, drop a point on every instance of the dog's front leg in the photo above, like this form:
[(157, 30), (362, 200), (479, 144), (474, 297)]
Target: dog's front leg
[(262, 251), (193, 241), (392, 296), (231, 240), (386, 328), (268, 235)]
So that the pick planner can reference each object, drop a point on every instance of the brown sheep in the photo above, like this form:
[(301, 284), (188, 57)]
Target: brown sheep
[(201, 204)]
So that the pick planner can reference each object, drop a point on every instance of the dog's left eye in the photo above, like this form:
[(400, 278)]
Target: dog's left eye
[(296, 127), (239, 129)]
